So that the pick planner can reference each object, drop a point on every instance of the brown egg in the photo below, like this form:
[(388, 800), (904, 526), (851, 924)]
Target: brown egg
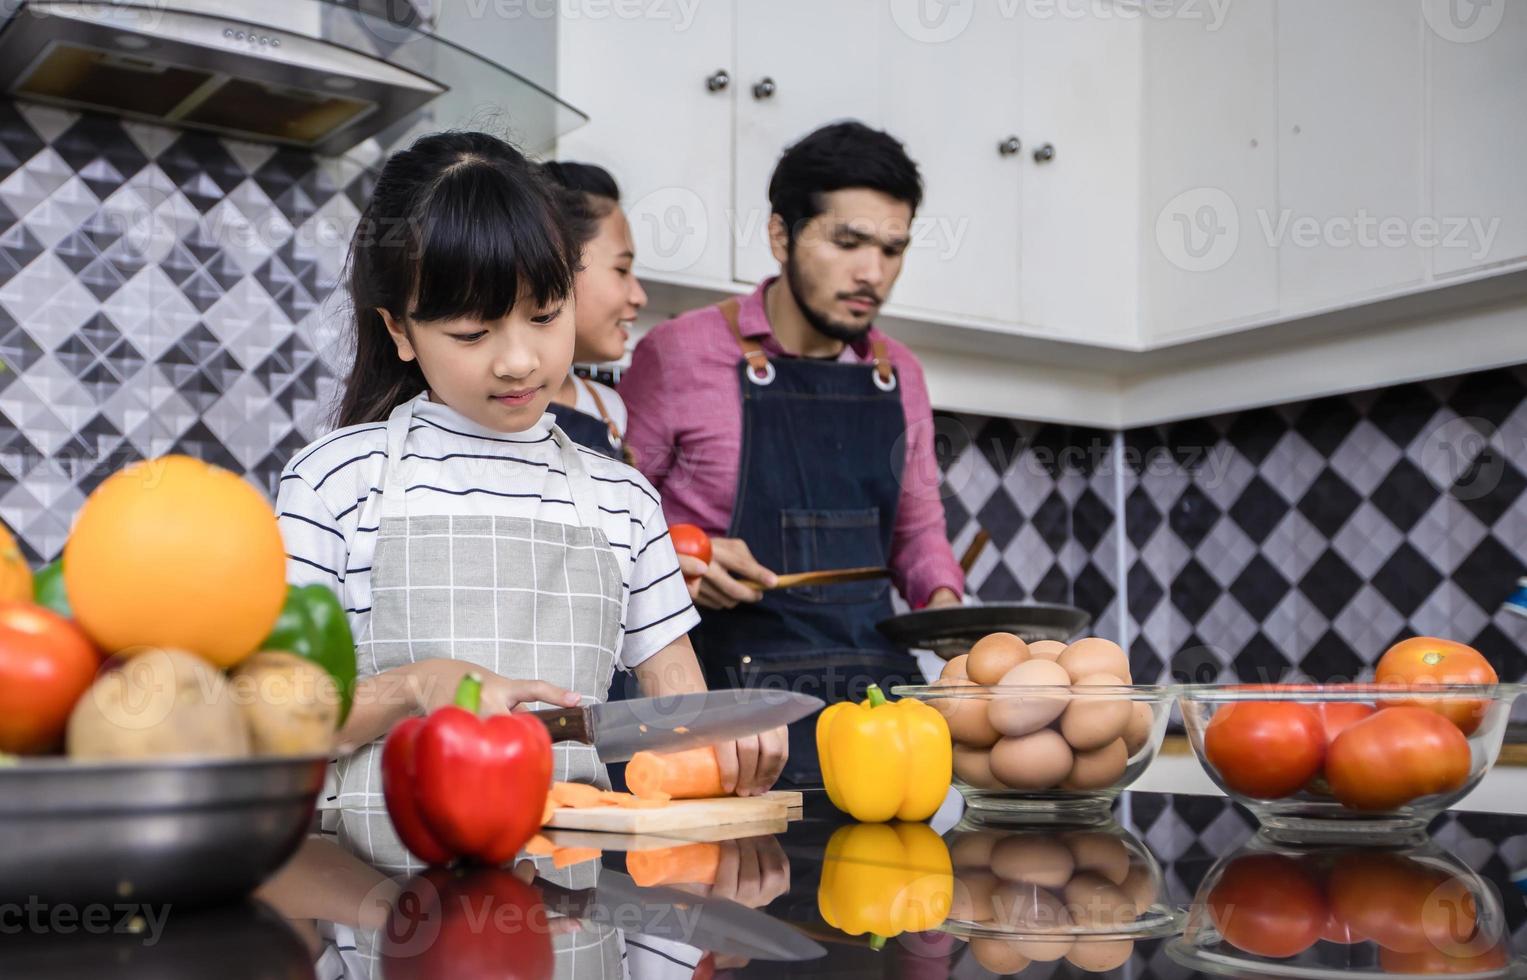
[(1092, 900), (1140, 886), (1011, 714), (1101, 955), (1142, 718), (1098, 768), (973, 767), (1102, 852), (1095, 655), (1028, 908), (1034, 859), (1043, 950), (972, 848), (955, 667), (1000, 956), (972, 896), (1036, 761), (1046, 649), (1092, 722), (966, 716), (995, 655)]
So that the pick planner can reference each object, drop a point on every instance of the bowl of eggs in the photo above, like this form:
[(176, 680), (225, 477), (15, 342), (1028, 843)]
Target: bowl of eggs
[(1045, 731)]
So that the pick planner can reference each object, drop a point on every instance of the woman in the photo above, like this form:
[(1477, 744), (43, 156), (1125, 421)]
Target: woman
[(607, 297)]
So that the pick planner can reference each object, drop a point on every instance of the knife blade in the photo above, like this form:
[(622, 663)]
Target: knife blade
[(716, 925), (620, 729)]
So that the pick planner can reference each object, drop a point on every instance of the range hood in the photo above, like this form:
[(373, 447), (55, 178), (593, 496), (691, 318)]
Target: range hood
[(312, 74)]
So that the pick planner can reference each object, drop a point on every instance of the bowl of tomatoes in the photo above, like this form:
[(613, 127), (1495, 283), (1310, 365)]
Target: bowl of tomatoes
[(1377, 759)]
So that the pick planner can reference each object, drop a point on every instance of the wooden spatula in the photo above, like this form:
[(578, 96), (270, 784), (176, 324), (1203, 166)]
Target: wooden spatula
[(828, 577)]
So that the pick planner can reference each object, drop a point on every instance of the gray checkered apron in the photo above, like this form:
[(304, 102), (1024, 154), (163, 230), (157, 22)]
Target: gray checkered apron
[(523, 598)]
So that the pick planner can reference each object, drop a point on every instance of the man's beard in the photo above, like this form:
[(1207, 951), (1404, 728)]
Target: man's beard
[(848, 333)]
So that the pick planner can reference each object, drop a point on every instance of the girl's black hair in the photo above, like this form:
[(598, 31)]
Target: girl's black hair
[(459, 225), (588, 194), (835, 157)]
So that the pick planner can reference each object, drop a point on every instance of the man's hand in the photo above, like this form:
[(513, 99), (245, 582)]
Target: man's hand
[(730, 560)]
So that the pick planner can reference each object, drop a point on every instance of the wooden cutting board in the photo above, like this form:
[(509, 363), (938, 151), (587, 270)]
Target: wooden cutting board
[(770, 809)]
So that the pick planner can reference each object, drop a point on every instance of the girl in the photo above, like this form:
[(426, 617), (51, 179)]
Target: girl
[(608, 298), (463, 530)]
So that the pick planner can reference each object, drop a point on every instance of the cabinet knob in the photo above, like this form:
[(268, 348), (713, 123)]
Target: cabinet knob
[(719, 81), (1010, 146), (1044, 154), (764, 88)]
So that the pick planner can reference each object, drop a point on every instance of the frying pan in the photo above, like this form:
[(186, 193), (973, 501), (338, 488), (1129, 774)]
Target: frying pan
[(950, 631)]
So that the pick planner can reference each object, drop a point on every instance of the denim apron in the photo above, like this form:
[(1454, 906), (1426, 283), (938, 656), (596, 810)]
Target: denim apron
[(818, 486), (599, 434)]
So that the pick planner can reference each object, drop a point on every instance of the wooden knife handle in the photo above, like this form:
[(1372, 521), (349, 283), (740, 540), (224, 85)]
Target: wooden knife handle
[(567, 724), (832, 576)]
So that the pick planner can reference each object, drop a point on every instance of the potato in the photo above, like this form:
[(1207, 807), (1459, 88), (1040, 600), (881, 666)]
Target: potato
[(291, 705), (155, 704)]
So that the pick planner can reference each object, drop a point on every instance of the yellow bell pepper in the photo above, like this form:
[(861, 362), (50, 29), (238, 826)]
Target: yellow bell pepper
[(885, 879), (883, 760)]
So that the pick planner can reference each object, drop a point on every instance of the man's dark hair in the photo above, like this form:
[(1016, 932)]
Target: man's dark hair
[(838, 156)]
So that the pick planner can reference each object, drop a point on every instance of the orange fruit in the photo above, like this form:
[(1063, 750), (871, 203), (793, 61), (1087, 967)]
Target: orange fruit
[(172, 552), (15, 576)]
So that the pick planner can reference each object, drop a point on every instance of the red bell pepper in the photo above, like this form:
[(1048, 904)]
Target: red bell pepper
[(460, 786), (448, 924)]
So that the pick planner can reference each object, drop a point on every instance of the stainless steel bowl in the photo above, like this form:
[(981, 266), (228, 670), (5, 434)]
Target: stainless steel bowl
[(186, 832)]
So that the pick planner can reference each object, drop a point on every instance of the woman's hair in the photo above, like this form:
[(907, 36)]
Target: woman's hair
[(588, 194), (459, 225)]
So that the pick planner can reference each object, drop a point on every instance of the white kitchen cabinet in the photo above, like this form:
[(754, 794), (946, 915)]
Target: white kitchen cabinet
[(953, 92), (657, 125), (1349, 140), (800, 64), (1479, 133), (1210, 168)]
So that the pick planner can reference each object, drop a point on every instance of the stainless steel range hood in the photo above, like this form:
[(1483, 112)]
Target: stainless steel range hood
[(305, 73)]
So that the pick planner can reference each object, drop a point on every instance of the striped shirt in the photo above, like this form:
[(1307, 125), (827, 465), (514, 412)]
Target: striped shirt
[(453, 466)]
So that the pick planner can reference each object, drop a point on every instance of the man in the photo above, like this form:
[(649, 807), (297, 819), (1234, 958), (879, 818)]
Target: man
[(800, 437)]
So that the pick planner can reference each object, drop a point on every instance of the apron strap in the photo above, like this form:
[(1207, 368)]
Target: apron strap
[(884, 379), (762, 372), (580, 486), (393, 491), (599, 407)]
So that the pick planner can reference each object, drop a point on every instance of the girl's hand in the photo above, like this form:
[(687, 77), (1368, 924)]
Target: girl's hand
[(437, 681), (750, 766)]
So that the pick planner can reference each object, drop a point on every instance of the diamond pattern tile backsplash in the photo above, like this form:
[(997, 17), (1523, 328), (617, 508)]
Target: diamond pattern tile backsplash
[(171, 292)]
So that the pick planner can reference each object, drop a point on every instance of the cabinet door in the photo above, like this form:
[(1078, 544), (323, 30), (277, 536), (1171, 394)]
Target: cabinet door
[(1349, 151), (1479, 132), (952, 94), (1210, 169), (658, 128), (823, 61), (1080, 213)]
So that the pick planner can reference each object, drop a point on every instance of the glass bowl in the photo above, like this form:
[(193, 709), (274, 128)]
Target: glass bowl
[(1331, 783), (1027, 755), (1274, 910)]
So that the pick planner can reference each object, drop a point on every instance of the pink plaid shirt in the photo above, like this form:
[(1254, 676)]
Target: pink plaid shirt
[(685, 426)]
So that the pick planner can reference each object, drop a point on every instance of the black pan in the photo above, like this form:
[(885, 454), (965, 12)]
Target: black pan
[(953, 630)]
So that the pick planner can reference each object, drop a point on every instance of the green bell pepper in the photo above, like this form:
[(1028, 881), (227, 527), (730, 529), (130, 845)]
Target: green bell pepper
[(313, 626), (48, 588)]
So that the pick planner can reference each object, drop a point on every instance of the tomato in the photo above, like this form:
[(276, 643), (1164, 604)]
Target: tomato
[(1428, 660), (46, 664), (690, 540), (1268, 905), (1337, 930), (1403, 904), (1265, 749), (1396, 756), (1337, 716)]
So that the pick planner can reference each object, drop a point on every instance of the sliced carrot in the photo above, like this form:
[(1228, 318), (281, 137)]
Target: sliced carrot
[(548, 810), (688, 864), (578, 795), (566, 857), (636, 802), (681, 776), (539, 846)]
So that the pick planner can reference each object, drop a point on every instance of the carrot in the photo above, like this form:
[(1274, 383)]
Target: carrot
[(566, 857), (689, 864), (548, 810), (578, 795), (637, 802), (681, 776), (539, 846)]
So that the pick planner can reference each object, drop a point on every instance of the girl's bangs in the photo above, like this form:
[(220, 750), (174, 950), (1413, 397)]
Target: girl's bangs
[(485, 241)]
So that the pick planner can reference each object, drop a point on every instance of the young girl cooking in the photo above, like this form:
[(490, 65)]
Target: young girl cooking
[(462, 529)]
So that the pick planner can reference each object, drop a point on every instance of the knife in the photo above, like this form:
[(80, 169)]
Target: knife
[(620, 729), (716, 925)]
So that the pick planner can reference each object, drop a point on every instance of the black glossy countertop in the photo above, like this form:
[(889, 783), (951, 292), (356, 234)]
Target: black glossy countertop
[(1197, 856)]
